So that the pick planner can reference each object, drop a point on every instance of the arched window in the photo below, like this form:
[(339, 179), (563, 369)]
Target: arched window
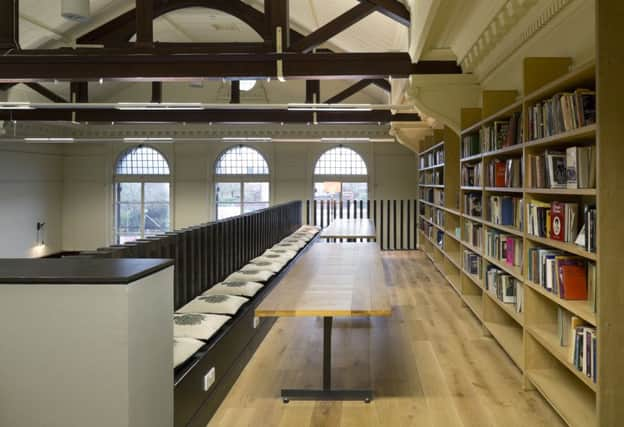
[(340, 174), (242, 182), (142, 194)]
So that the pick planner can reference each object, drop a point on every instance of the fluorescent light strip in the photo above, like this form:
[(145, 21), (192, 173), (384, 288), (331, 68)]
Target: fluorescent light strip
[(164, 106), (246, 139), (148, 139), (340, 140), (49, 140), (330, 107), (15, 106)]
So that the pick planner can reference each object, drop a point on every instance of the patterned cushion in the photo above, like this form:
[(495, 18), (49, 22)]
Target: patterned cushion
[(283, 252), (255, 264), (197, 325), (274, 258), (251, 275), (306, 237), (215, 304), (292, 246), (309, 229), (245, 289), (183, 349)]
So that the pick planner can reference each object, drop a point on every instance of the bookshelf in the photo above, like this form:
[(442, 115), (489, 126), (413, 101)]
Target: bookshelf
[(531, 336)]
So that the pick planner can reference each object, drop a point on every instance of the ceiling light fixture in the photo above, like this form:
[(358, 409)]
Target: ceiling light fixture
[(330, 107), (247, 139), (49, 140), (15, 106), (158, 106), (157, 139)]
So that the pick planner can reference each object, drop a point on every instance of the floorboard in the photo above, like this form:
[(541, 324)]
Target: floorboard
[(430, 364)]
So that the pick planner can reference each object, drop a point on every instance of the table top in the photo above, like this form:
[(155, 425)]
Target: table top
[(76, 270), (350, 229), (341, 280)]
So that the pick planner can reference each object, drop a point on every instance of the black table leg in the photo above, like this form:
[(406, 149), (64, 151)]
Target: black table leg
[(326, 393)]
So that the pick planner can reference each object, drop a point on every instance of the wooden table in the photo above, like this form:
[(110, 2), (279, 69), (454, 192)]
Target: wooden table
[(350, 229), (339, 280)]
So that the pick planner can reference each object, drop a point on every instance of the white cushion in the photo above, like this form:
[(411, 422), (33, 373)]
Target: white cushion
[(246, 289), (260, 264), (251, 275), (292, 246), (183, 349), (197, 325), (284, 252), (301, 236), (273, 257), (309, 229), (215, 304)]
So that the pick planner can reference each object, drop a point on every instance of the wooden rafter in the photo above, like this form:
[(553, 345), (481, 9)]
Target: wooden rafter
[(393, 9), (335, 26), (55, 65)]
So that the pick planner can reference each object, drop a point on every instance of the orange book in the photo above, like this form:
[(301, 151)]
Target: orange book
[(572, 279), (499, 174)]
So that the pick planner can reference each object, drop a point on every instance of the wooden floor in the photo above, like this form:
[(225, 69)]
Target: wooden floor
[(430, 364)]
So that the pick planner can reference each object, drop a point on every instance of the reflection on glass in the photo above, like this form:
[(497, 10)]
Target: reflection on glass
[(354, 191), (256, 192), (157, 192), (228, 192), (156, 217), (129, 192)]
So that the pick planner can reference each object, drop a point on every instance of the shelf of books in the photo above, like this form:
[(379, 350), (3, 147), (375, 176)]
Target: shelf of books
[(528, 192), (438, 215), (524, 252)]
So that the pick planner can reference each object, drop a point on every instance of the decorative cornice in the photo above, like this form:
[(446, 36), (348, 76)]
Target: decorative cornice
[(191, 131), (501, 24), (476, 54)]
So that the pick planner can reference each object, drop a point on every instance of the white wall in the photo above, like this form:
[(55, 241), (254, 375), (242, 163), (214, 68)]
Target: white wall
[(31, 188), (87, 189)]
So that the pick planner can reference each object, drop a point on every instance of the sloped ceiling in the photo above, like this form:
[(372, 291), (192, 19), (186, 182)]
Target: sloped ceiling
[(41, 25)]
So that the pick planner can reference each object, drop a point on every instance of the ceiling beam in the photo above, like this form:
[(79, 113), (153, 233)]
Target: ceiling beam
[(207, 116), (277, 14), (235, 92), (157, 92), (333, 27), (121, 29), (392, 9), (382, 84), (45, 92), (25, 67), (79, 92), (144, 22), (313, 91), (9, 25), (349, 91)]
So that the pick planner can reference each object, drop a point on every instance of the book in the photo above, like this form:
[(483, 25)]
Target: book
[(557, 218), (572, 278), (556, 170), (499, 174), (571, 157)]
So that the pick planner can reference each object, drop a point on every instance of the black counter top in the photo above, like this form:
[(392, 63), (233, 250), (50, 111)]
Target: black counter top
[(78, 270)]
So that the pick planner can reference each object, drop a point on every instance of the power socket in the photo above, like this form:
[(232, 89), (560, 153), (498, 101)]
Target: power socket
[(209, 379)]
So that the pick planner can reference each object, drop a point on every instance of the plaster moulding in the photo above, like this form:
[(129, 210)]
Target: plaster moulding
[(195, 131), (411, 135), (442, 96), (495, 31)]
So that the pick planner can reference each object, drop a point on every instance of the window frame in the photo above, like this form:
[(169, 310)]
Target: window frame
[(140, 179), (351, 178), (241, 179)]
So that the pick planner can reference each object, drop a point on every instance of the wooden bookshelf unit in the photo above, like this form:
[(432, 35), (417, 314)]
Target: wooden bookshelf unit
[(529, 334)]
